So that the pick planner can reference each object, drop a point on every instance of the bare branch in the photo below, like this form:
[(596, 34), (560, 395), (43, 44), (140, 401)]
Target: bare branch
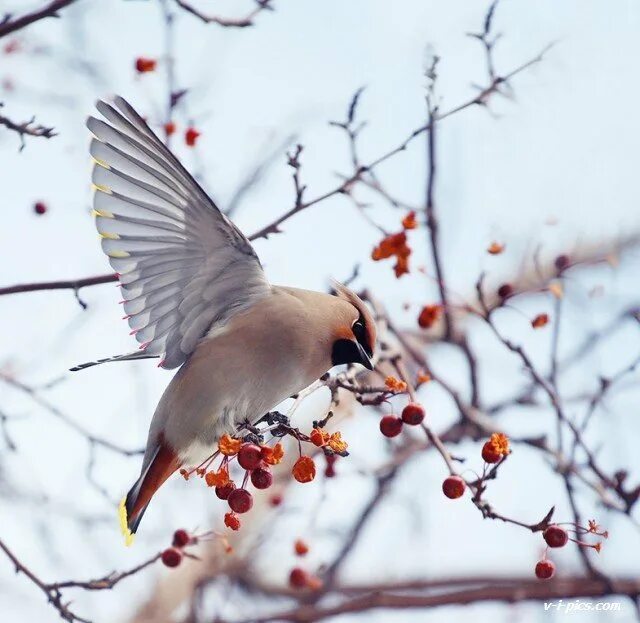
[(26, 128), (227, 22), (10, 24)]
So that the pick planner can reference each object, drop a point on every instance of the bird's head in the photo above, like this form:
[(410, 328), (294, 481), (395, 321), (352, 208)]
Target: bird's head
[(355, 330)]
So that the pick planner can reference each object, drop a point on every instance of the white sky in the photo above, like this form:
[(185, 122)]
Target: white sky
[(566, 147)]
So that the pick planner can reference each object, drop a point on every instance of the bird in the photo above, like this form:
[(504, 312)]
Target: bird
[(195, 295)]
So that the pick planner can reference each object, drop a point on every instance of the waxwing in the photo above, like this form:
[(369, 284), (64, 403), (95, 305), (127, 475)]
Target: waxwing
[(195, 295)]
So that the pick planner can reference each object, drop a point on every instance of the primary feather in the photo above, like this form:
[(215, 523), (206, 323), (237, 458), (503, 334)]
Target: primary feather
[(184, 268)]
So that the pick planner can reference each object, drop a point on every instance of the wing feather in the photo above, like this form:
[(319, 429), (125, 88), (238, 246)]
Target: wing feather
[(184, 267)]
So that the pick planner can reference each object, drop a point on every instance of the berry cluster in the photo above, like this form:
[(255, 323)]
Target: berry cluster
[(555, 536), (413, 415), (256, 458), (172, 556), (395, 245)]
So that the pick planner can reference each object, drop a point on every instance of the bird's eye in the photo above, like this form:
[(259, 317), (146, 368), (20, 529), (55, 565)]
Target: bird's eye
[(359, 331)]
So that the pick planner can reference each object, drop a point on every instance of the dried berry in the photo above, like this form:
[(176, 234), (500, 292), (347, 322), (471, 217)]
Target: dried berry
[(505, 290), (217, 479), (232, 521), (40, 208), (274, 455), (318, 437), (490, 453), (304, 469)]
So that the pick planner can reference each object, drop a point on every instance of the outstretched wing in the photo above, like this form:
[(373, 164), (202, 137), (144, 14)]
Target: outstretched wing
[(184, 267)]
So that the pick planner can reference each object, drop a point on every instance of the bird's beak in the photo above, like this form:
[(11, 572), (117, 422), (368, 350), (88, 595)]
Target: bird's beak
[(364, 358)]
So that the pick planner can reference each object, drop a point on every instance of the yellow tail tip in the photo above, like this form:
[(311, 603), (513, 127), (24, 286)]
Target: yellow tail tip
[(124, 528)]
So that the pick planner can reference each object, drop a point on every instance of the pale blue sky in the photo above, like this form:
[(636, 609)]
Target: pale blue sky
[(565, 148)]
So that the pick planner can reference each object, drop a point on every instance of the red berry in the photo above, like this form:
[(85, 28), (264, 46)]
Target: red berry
[(181, 538), (191, 136), (171, 557), (330, 470), (144, 65), (298, 578), (169, 128), (545, 569), (224, 491), (300, 548), (489, 453), (240, 501), (562, 262), (453, 487), (390, 425), (250, 456), (275, 500), (413, 414), (555, 536), (39, 207), (261, 478), (505, 290)]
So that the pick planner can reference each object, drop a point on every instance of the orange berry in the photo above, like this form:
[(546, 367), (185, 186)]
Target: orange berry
[(301, 548), (304, 469), (144, 65), (232, 521), (429, 316), (540, 321), (490, 453)]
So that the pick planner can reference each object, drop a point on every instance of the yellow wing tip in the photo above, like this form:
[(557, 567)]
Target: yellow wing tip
[(124, 528), (102, 188)]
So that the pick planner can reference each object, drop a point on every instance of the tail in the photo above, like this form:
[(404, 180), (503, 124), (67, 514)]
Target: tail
[(163, 463), (128, 357)]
